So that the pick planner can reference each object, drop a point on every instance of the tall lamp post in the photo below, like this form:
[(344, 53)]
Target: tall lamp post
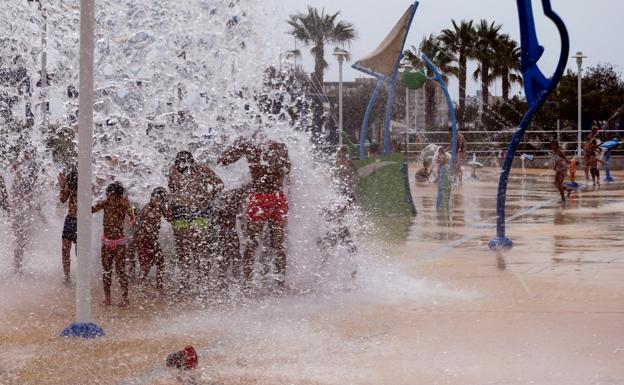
[(44, 61), (579, 61), (341, 55)]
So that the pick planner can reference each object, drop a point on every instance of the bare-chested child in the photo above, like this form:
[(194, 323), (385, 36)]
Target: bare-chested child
[(4, 197), (461, 151), (229, 206), (560, 165), (422, 175), (587, 150), (147, 235), (591, 154), (68, 185), (269, 165), (116, 208)]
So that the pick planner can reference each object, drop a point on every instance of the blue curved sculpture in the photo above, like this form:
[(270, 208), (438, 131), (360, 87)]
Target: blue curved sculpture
[(609, 147), (445, 183), (537, 89), (382, 79)]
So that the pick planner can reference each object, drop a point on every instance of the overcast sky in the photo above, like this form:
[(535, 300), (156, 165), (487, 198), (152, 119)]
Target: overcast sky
[(594, 27)]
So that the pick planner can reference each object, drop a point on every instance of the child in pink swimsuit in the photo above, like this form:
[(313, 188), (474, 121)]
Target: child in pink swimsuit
[(116, 207)]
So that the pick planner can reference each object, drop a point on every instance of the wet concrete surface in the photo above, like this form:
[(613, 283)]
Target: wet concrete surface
[(436, 307)]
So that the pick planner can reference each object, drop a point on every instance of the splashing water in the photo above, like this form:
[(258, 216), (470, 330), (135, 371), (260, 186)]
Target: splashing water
[(173, 76)]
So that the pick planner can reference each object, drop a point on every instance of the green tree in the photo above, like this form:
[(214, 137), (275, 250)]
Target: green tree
[(459, 43), (316, 29), (431, 47), (603, 94)]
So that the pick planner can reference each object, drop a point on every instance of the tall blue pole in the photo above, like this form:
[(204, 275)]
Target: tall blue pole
[(607, 157), (389, 105), (537, 90), (444, 192), (364, 127)]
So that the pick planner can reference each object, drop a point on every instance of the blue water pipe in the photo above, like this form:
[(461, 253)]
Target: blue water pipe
[(609, 147), (364, 128), (389, 104), (444, 189), (537, 90)]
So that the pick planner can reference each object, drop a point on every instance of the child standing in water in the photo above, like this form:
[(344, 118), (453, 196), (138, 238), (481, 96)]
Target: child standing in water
[(560, 165), (116, 207), (147, 236), (68, 186), (592, 161)]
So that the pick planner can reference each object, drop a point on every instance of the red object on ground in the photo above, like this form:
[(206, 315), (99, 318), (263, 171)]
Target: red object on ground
[(184, 360)]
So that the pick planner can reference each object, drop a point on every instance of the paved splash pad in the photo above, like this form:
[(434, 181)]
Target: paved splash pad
[(446, 310)]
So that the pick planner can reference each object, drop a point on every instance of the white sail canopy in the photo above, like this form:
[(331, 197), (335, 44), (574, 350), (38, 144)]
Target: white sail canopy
[(383, 59)]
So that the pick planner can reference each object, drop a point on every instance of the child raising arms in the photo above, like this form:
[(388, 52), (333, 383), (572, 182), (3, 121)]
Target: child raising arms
[(116, 207)]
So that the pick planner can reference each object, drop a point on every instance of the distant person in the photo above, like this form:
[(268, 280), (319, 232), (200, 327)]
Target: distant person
[(560, 166), (23, 204), (338, 237), (147, 234), (589, 150), (441, 160), (346, 175), (68, 186), (422, 175), (461, 152), (116, 208), (193, 186), (269, 165), (573, 167), (230, 205), (4, 197), (593, 161)]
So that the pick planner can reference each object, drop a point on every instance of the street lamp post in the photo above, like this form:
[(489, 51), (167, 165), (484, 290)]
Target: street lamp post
[(44, 62), (341, 55), (579, 61)]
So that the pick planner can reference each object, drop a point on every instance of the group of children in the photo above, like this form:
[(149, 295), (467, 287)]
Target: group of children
[(441, 160), (114, 252), (562, 165)]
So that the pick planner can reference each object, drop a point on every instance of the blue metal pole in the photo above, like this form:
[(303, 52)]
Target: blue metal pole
[(364, 127), (537, 89), (389, 105)]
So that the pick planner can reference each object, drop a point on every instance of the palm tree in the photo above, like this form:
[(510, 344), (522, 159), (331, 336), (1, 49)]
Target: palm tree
[(317, 30), (488, 38), (507, 66), (459, 43), (431, 47)]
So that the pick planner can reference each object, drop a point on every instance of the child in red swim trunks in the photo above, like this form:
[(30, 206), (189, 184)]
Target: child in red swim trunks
[(148, 233), (116, 207), (269, 165)]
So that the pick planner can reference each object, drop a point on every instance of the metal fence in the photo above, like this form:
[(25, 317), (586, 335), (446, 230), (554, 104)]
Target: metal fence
[(492, 143)]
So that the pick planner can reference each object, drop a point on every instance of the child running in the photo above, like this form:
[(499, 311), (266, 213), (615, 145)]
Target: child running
[(147, 235), (68, 186), (560, 165), (116, 207)]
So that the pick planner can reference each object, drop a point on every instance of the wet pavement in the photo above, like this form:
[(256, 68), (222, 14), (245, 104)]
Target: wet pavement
[(434, 307)]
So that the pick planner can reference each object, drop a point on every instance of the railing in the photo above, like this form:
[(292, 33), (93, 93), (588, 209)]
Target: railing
[(478, 143)]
